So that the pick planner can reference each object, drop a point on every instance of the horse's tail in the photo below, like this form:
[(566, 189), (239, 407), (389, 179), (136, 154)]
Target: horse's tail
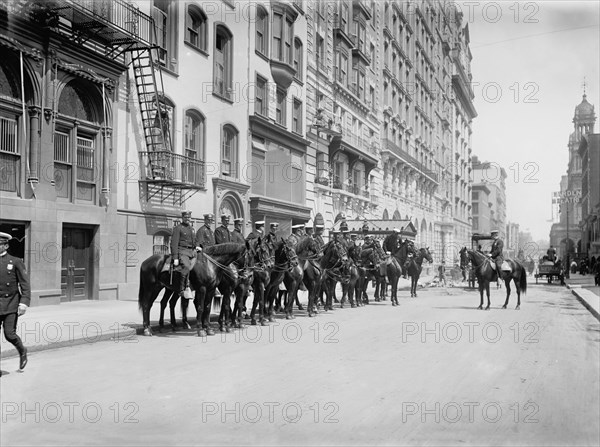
[(141, 291), (523, 279)]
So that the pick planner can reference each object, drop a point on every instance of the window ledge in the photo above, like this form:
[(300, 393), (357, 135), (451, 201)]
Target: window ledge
[(262, 55), (195, 48), (223, 98)]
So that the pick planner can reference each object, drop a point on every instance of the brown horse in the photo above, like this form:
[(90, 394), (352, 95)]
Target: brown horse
[(485, 273), (415, 266)]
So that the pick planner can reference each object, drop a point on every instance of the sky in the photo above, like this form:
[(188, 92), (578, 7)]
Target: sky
[(529, 64)]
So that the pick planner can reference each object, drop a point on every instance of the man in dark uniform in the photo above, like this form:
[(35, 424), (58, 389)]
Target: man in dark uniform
[(15, 296), (236, 235), (204, 236), (343, 240), (222, 234), (296, 235), (496, 252), (319, 229), (309, 229), (184, 247), (353, 248), (273, 237), (259, 230)]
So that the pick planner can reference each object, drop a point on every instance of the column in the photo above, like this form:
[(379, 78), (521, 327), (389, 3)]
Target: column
[(34, 144)]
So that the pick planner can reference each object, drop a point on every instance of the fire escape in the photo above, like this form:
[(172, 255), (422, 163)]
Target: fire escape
[(113, 28)]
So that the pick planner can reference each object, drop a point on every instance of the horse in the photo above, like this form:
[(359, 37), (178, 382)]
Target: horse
[(415, 268), (308, 254), (485, 273), (395, 268), (353, 274), (282, 257), (371, 259), (204, 278), (333, 261), (237, 280)]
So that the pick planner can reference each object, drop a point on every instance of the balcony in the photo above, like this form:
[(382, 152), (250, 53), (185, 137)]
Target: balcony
[(389, 145), (341, 29), (110, 22), (169, 169), (360, 50)]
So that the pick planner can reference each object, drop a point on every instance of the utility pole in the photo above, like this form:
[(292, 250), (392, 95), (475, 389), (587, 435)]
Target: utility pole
[(568, 272)]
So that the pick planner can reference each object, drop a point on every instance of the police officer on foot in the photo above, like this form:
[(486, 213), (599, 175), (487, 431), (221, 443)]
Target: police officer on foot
[(205, 236), (496, 252), (15, 296), (222, 234), (236, 235), (184, 247)]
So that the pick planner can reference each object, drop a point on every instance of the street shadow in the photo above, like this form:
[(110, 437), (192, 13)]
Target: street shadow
[(459, 307)]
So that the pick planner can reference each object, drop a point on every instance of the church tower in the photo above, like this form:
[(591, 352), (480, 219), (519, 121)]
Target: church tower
[(584, 121)]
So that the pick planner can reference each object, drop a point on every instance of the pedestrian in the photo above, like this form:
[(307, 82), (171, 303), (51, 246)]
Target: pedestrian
[(15, 296), (442, 274)]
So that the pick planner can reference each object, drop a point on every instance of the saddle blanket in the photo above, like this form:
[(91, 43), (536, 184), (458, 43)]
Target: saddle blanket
[(505, 266)]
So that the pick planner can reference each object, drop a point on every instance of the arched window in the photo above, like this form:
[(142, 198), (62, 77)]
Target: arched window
[(386, 215), (10, 118), (262, 30), (223, 63), (77, 141), (298, 55), (196, 27), (229, 151)]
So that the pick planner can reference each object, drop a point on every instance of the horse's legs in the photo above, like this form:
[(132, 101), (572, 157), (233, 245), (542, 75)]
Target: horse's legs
[(481, 289), (487, 290), (208, 297), (147, 305), (507, 284), (199, 302), (172, 305), (163, 305)]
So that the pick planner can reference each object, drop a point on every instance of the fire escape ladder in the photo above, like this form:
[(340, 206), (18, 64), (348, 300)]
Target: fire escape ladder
[(154, 113)]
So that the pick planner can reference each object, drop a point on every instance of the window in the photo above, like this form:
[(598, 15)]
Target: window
[(343, 69), (321, 57), (476, 223), (297, 117), (475, 208), (344, 17), (229, 150), (194, 135), (260, 102), (262, 30), (223, 70), (280, 117), (196, 27), (298, 58), (9, 154), (165, 32), (282, 38)]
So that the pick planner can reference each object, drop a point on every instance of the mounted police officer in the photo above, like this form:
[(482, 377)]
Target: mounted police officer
[(204, 236), (272, 236), (496, 252), (344, 231), (236, 235), (15, 296), (309, 229), (259, 230), (319, 229), (222, 233), (296, 235), (184, 247)]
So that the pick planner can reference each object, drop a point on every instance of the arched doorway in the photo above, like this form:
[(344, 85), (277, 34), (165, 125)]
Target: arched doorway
[(231, 205)]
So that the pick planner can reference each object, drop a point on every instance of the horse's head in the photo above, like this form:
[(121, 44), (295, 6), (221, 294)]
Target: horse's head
[(257, 253), (426, 254)]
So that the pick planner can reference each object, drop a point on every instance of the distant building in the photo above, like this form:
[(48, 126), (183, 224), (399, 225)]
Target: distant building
[(589, 151), (511, 242), (567, 234), (493, 176)]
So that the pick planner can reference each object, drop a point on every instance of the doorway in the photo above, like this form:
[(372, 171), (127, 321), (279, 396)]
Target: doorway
[(76, 264)]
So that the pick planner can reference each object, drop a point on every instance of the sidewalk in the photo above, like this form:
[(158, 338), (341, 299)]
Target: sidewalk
[(71, 324), (80, 322), (582, 286)]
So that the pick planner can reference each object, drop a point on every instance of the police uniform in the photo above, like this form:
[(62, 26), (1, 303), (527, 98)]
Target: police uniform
[(272, 236), (15, 296), (497, 255), (205, 236), (222, 234), (320, 240), (258, 230), (236, 234), (183, 248)]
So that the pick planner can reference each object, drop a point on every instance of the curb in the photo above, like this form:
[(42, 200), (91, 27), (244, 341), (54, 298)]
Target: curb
[(583, 301), (126, 333)]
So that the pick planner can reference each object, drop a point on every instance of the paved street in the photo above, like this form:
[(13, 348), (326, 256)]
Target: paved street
[(433, 371)]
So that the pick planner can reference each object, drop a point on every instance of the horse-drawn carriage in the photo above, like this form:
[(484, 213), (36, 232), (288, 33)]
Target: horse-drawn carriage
[(551, 270)]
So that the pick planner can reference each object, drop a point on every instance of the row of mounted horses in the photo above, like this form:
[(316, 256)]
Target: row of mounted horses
[(263, 265)]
